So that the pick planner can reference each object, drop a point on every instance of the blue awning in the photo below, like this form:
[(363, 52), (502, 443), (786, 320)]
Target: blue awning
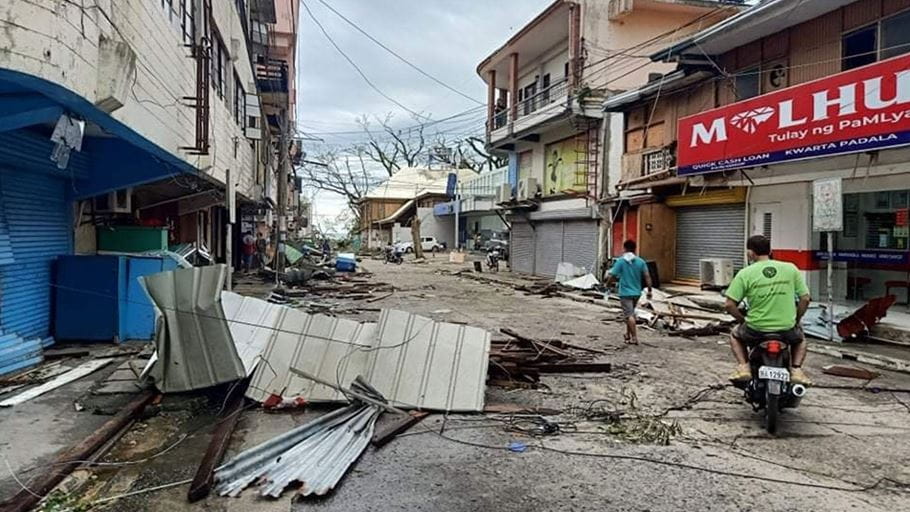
[(119, 158)]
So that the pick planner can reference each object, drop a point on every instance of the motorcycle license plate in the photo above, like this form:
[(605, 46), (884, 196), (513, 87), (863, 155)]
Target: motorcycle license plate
[(772, 373)]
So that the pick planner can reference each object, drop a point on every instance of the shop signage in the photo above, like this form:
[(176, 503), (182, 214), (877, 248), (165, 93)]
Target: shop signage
[(859, 110), (868, 257)]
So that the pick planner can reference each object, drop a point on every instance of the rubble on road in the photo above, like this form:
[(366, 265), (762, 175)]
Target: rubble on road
[(849, 323), (517, 362), (316, 454), (853, 372), (58, 381)]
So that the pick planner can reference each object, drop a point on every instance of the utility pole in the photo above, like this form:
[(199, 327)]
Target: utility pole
[(284, 164), (229, 228)]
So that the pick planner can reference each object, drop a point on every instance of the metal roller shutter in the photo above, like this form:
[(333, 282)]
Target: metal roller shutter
[(548, 248), (521, 248), (708, 232), (36, 216), (579, 243)]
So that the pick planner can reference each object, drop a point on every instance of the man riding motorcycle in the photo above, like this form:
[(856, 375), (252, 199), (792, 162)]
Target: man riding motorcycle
[(770, 288)]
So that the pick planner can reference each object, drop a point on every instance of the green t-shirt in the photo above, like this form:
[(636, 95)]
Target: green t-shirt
[(771, 287)]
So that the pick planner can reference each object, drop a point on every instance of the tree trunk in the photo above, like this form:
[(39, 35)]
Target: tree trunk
[(415, 236)]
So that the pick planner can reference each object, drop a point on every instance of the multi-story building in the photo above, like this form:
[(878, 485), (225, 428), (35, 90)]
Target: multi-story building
[(545, 86), (127, 112), (760, 106)]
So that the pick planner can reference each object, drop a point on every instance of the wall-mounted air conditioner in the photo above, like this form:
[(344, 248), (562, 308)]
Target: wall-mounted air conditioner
[(118, 201), (505, 193), (527, 189), (716, 272)]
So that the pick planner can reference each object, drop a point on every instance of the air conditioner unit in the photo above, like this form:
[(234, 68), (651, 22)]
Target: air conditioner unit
[(716, 272), (617, 9), (505, 193), (527, 189), (118, 201)]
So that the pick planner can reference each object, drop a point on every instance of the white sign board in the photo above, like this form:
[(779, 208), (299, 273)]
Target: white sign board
[(828, 205)]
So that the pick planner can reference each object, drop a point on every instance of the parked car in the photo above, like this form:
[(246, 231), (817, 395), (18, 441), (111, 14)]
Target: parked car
[(428, 243)]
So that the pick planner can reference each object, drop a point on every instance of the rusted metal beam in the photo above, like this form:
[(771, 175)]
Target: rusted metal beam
[(71, 458), (204, 480), (387, 432)]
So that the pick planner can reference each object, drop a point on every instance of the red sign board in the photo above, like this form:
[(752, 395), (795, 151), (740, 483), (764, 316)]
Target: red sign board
[(858, 110), (901, 217)]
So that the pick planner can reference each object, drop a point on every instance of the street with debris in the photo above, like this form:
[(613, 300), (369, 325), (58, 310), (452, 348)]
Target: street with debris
[(425, 255), (659, 430)]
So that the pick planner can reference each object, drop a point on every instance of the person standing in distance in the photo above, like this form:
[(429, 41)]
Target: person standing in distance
[(632, 272)]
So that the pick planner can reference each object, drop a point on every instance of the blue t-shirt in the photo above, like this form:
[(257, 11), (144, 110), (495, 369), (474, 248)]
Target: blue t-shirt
[(630, 275)]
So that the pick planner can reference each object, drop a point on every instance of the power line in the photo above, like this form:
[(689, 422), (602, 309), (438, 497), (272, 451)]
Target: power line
[(355, 66), (399, 57)]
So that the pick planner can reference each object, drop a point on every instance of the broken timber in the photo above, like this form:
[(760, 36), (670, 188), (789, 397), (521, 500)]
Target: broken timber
[(73, 457), (389, 431), (204, 481)]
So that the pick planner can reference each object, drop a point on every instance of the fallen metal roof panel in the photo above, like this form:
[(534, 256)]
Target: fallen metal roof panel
[(332, 348), (415, 362), (316, 454), (194, 344), (252, 323)]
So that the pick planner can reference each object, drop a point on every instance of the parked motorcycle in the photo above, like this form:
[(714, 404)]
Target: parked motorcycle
[(770, 388), (492, 260), (392, 255)]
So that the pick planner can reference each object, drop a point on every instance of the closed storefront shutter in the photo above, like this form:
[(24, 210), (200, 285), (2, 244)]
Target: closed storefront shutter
[(521, 248), (36, 219), (580, 243), (708, 232), (548, 253)]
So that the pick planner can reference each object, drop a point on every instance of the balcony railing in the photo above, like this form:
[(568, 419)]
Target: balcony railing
[(556, 92), (553, 94)]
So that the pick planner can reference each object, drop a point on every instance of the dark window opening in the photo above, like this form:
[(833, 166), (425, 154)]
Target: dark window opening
[(860, 47), (896, 35)]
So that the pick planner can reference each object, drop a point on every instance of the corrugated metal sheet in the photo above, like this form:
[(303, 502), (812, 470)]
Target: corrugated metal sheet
[(548, 248), (37, 218), (194, 344), (579, 243), (708, 232), (330, 348), (413, 361), (316, 454), (251, 322), (6, 248), (418, 362), (521, 248), (17, 353)]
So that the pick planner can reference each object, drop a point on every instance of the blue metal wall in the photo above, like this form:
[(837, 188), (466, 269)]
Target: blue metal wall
[(37, 219)]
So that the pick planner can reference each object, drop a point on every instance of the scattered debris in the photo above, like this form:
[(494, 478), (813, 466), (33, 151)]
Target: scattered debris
[(566, 271), (518, 447), (70, 459), (853, 372), (204, 480), (61, 380), (849, 324), (585, 282), (316, 454), (518, 362)]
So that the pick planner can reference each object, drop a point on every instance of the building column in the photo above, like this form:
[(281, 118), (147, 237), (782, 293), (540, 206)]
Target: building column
[(513, 87), (574, 45), (491, 101)]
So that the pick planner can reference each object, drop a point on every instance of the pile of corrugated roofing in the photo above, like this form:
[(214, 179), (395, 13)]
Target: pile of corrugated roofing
[(317, 454), (209, 337)]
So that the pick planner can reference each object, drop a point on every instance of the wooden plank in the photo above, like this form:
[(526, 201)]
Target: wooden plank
[(204, 480), (852, 372), (61, 380), (573, 367), (71, 458), (59, 353), (389, 431)]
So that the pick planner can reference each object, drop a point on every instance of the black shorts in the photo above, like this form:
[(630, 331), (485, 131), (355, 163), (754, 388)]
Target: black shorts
[(751, 337)]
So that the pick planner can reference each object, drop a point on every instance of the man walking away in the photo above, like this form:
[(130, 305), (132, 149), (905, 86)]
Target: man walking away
[(249, 249), (771, 290), (631, 271)]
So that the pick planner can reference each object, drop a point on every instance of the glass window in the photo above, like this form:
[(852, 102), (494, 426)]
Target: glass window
[(187, 22), (747, 83), (860, 47), (896, 35)]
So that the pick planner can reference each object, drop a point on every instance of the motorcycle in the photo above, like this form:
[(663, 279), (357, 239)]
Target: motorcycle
[(393, 256), (770, 389), (493, 257)]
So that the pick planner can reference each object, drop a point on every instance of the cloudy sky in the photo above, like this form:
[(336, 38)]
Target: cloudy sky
[(445, 38)]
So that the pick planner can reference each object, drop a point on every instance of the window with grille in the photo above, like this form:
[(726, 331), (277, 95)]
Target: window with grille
[(766, 227), (187, 22), (655, 161)]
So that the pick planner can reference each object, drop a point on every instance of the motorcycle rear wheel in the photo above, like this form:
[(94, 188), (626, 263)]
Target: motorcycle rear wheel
[(772, 412)]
